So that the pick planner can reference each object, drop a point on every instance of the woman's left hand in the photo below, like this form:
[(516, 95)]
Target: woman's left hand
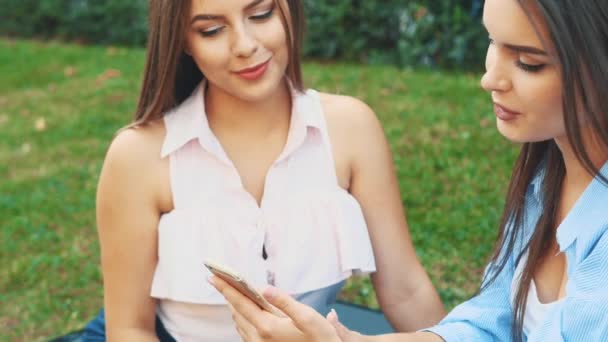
[(253, 324)]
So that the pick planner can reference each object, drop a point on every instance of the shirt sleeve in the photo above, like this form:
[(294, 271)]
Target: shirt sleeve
[(485, 317), (489, 315)]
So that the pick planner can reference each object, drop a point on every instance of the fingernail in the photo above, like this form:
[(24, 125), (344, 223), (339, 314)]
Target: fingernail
[(331, 316), (211, 280), (271, 293)]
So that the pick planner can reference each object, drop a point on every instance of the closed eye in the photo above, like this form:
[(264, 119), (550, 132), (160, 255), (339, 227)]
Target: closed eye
[(263, 15), (211, 31), (529, 67)]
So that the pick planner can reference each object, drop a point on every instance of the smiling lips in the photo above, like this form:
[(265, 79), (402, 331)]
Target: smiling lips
[(254, 72), (504, 113)]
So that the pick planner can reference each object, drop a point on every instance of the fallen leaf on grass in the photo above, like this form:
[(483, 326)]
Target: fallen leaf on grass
[(484, 123), (69, 71), (9, 322), (385, 91), (40, 124), (26, 148), (108, 74), (115, 98)]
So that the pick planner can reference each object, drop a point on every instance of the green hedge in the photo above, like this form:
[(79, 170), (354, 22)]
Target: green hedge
[(444, 33), (122, 22)]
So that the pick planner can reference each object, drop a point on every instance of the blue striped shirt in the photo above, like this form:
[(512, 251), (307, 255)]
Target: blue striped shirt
[(583, 314)]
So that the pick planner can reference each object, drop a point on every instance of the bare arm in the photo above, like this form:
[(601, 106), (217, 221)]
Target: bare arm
[(404, 290), (127, 219)]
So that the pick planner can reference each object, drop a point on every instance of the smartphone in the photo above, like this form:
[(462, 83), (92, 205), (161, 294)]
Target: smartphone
[(241, 285)]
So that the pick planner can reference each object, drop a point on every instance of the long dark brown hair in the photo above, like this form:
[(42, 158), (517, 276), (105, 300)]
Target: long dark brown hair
[(578, 35), (170, 75)]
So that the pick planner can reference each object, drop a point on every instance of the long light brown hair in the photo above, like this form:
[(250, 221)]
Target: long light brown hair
[(578, 35), (170, 75)]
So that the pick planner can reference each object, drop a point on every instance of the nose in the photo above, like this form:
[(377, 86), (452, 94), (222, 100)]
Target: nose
[(244, 42), (496, 77)]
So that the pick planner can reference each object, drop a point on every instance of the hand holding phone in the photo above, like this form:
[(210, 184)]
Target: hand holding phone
[(239, 283)]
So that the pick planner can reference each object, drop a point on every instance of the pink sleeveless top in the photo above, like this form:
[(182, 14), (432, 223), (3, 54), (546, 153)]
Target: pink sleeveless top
[(312, 230)]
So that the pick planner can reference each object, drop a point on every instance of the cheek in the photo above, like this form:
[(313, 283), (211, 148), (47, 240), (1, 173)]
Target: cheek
[(544, 99), (274, 35), (548, 99), (207, 54)]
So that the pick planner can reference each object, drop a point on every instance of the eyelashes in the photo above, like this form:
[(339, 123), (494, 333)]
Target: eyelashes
[(529, 67), (261, 17), (264, 15), (211, 32)]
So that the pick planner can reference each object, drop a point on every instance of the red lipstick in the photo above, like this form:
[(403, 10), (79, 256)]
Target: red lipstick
[(254, 72)]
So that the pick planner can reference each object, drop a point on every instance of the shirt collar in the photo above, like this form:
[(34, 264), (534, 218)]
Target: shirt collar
[(588, 216), (188, 121), (185, 122)]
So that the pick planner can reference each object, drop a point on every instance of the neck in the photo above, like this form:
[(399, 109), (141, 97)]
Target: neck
[(577, 175), (227, 113)]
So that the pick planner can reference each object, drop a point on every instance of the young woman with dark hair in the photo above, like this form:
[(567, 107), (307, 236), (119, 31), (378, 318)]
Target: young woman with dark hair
[(547, 73), (231, 158)]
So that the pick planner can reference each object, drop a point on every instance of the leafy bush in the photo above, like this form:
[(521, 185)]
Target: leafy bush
[(352, 29), (444, 33), (91, 21)]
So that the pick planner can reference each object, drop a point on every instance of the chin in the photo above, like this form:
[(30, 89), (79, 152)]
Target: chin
[(259, 90), (519, 136), (255, 94), (511, 133)]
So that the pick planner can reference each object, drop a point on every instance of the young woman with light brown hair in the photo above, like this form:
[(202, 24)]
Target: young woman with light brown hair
[(231, 158)]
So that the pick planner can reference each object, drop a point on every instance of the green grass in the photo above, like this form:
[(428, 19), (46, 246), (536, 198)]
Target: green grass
[(60, 105)]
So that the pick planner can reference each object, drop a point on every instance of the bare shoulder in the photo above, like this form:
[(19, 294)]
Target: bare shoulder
[(354, 132), (136, 148), (347, 111), (133, 162), (349, 117)]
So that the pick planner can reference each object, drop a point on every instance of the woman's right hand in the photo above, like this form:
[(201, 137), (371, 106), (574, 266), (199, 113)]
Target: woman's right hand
[(302, 323)]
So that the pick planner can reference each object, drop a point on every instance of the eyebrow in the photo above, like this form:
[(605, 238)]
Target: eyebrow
[(526, 49), (522, 48), (216, 17)]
